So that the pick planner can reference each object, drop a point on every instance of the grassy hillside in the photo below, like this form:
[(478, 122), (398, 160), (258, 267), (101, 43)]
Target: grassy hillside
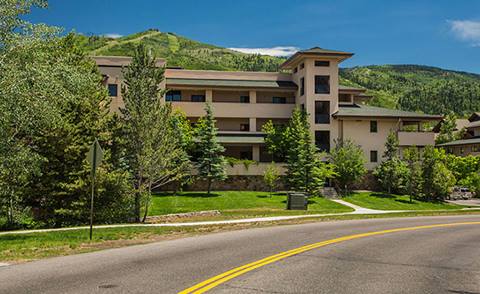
[(180, 51), (407, 87)]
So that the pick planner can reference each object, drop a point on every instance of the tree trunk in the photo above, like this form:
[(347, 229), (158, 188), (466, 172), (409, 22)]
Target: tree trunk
[(209, 186), (147, 203), (10, 213), (137, 206)]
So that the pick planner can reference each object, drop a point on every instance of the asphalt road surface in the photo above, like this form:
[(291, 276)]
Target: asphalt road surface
[(430, 260)]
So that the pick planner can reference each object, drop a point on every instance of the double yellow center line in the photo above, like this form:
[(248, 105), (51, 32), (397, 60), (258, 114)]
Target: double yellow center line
[(226, 276)]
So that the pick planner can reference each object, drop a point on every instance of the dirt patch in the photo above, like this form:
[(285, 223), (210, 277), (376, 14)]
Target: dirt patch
[(167, 218)]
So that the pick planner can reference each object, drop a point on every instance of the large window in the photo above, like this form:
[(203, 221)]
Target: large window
[(173, 96), (113, 90), (302, 86), (244, 99), (373, 126), (198, 98), (373, 156), (322, 63), (279, 100), (322, 85), (322, 112), (322, 140)]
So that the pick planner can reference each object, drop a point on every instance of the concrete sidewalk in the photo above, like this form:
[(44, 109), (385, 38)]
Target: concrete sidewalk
[(357, 210)]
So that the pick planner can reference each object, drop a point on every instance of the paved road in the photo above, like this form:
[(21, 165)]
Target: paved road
[(435, 260)]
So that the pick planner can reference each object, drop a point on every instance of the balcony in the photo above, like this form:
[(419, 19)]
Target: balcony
[(416, 138), (237, 110)]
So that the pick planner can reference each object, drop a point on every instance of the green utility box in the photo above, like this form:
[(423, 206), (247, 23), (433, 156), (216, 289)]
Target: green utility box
[(297, 201)]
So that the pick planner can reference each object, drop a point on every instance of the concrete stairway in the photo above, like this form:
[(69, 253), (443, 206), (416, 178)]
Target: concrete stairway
[(329, 192)]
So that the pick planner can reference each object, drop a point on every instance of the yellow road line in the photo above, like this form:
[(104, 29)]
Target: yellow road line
[(226, 276)]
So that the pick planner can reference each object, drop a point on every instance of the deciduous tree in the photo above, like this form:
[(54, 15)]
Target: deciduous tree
[(348, 164), (156, 154)]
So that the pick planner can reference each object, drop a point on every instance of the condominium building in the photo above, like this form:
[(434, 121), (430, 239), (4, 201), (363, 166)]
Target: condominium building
[(244, 101), (470, 143)]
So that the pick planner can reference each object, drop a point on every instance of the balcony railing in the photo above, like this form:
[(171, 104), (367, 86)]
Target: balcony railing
[(237, 110), (416, 138), (254, 169)]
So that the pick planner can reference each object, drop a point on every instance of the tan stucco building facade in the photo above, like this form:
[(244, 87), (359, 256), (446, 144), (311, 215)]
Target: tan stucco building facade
[(243, 101)]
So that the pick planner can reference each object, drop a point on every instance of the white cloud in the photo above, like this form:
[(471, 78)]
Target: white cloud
[(274, 51), (466, 30), (114, 36)]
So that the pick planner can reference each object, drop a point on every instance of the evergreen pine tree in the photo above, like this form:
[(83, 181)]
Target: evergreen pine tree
[(305, 169), (211, 163)]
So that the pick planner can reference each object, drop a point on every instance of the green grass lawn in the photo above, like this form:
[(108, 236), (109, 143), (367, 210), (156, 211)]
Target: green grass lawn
[(382, 201), (237, 204), (24, 247)]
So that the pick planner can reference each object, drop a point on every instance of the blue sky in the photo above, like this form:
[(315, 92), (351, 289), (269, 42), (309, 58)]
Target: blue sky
[(443, 33)]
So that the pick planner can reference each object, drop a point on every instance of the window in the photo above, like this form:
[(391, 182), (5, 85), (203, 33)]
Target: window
[(279, 100), (302, 86), (302, 66), (373, 156), (244, 99), (244, 127), (322, 112), (112, 90), (198, 98), (302, 107), (344, 98), (462, 150), (373, 126), (295, 70), (322, 85), (322, 63), (322, 140), (173, 96)]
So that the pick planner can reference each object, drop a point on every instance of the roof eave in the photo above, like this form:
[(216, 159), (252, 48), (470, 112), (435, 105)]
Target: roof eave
[(429, 118), (341, 57)]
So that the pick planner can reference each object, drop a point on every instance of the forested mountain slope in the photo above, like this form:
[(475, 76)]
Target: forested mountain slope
[(407, 87), (180, 51), (418, 88)]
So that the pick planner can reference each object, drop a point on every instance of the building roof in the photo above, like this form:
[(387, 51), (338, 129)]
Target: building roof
[(462, 142), (361, 110), (233, 83), (119, 61), (315, 51), (348, 88), (460, 124), (474, 117)]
